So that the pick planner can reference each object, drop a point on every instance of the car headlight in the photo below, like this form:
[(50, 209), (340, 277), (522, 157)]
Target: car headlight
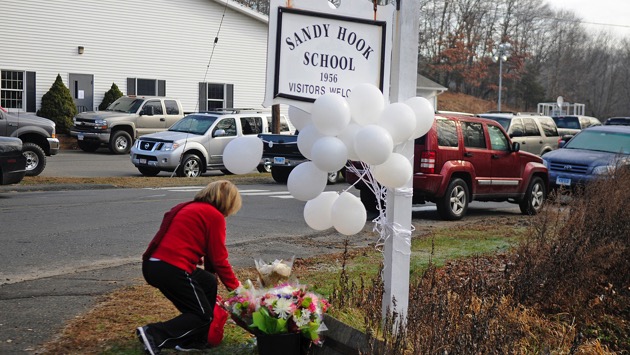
[(170, 146), (100, 124), (546, 163), (604, 170)]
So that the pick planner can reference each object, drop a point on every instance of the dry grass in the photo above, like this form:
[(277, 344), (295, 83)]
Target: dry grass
[(450, 101), (142, 182)]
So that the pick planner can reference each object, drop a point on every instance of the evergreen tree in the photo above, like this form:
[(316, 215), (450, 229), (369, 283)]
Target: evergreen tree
[(110, 96), (58, 106)]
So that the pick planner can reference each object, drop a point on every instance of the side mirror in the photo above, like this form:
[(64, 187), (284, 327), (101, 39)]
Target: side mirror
[(219, 133), (516, 146)]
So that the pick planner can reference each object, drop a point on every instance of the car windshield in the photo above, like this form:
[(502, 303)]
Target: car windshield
[(612, 142), (567, 122), (195, 124), (125, 104)]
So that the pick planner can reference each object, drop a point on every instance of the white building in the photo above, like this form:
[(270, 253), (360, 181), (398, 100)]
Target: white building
[(158, 47)]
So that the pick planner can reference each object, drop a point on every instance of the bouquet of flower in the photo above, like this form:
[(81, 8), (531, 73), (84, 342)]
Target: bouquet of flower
[(272, 274), (285, 308)]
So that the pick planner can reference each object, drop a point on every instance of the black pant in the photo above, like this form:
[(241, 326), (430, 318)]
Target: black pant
[(193, 294)]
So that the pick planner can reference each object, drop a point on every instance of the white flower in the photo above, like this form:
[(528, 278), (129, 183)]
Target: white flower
[(303, 319), (283, 308)]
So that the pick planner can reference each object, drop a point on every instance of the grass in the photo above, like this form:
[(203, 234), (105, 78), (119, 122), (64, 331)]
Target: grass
[(108, 327)]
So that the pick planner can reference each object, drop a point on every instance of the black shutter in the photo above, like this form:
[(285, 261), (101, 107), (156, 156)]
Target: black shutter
[(161, 88), (131, 86), (203, 97), (229, 95), (31, 104)]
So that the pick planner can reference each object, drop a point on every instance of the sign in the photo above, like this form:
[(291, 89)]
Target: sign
[(315, 49), (326, 53)]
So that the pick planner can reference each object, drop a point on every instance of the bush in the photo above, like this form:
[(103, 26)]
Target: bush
[(58, 106), (110, 96)]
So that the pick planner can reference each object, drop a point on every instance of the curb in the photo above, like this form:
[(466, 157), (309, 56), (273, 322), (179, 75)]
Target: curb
[(55, 187)]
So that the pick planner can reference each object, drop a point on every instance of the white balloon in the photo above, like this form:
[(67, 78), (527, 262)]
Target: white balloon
[(243, 154), (399, 120), (329, 154), (395, 172), (373, 144), (347, 137), (330, 114), (425, 115), (306, 138), (366, 103), (299, 118), (318, 211), (348, 214), (306, 181)]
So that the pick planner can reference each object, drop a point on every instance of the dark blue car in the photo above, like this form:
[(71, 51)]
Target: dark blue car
[(592, 153)]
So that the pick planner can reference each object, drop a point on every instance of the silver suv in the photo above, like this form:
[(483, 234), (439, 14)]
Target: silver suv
[(195, 144), (536, 134)]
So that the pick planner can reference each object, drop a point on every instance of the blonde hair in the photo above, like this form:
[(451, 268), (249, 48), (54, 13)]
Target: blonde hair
[(223, 195)]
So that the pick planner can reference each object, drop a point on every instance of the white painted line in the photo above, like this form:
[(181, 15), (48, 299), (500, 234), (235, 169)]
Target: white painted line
[(266, 193), (286, 196), (423, 208)]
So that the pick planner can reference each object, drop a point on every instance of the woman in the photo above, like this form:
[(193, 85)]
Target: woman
[(192, 233)]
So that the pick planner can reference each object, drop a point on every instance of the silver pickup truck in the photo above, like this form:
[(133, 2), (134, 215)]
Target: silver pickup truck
[(124, 121), (37, 134)]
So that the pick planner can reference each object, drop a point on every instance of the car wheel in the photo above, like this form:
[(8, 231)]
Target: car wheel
[(88, 146), (148, 171), (280, 174), (264, 168), (190, 166), (35, 159), (369, 200), (120, 142), (534, 198), (454, 204), (226, 172)]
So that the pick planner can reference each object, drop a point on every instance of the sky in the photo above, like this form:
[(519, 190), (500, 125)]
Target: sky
[(612, 12)]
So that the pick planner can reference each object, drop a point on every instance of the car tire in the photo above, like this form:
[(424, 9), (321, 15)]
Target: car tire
[(35, 158), (226, 172), (148, 171), (454, 204), (280, 174), (534, 198), (369, 200), (264, 168), (190, 166), (333, 178), (120, 142), (88, 146)]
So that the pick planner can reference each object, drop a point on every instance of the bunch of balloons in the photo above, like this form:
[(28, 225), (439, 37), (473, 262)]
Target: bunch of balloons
[(359, 128)]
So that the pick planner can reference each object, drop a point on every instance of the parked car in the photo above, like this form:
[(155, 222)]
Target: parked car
[(195, 144), (38, 135), (12, 161), (464, 158), (617, 121), (126, 119), (590, 154), (536, 134), (571, 124)]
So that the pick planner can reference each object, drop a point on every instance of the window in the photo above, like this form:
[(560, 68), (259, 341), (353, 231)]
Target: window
[(530, 127), (473, 135), (498, 141), (12, 89), (284, 126), (548, 126), (156, 105), (171, 107), (251, 125), (214, 96), (447, 133), (516, 128), (227, 124), (146, 87)]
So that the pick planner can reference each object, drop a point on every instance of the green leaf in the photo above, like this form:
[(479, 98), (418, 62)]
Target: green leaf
[(267, 323)]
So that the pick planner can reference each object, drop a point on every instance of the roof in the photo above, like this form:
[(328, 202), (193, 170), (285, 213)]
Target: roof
[(244, 10), (425, 83)]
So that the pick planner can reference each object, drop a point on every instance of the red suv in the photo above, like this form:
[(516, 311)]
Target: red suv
[(464, 158)]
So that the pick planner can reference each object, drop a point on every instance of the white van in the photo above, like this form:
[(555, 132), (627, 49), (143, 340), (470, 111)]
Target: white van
[(195, 143)]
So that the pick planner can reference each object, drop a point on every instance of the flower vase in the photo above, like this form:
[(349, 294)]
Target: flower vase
[(279, 344)]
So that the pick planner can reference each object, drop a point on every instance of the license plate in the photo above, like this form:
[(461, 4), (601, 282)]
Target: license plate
[(80, 137), (143, 161), (563, 181), (279, 160)]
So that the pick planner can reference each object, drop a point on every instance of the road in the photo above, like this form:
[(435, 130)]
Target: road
[(62, 249)]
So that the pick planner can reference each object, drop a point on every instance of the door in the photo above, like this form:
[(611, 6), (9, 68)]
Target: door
[(82, 90), (506, 169), (477, 154), (217, 143), (151, 119)]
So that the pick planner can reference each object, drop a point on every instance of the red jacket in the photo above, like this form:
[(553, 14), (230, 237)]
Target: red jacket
[(189, 232)]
